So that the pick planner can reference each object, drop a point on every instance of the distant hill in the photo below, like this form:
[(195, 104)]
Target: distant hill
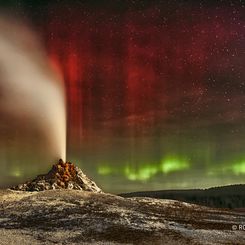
[(231, 196)]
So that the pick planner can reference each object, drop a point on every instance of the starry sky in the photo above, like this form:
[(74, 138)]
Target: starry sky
[(155, 89)]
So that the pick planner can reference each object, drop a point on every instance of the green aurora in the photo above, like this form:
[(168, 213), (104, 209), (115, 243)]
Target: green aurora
[(146, 171)]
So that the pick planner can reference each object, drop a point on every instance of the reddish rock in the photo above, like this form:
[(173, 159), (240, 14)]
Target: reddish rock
[(63, 175)]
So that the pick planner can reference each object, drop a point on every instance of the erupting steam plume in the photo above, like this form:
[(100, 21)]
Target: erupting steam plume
[(32, 104)]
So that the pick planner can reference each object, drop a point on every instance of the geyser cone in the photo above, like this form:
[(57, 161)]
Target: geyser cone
[(63, 175)]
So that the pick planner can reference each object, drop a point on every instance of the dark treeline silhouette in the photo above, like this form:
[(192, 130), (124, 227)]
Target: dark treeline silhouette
[(232, 196)]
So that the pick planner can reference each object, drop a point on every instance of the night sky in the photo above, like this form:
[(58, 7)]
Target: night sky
[(155, 89)]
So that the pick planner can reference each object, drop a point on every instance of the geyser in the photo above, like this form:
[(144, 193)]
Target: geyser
[(32, 105)]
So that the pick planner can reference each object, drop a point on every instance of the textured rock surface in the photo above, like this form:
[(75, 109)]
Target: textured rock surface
[(61, 176), (78, 217)]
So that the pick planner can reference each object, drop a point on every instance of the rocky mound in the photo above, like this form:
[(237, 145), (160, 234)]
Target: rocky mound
[(81, 217), (63, 175)]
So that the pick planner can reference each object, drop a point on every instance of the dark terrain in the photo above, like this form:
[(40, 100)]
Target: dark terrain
[(65, 207), (232, 196), (80, 217)]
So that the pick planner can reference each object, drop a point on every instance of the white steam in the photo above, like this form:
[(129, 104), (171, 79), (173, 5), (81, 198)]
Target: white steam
[(32, 101)]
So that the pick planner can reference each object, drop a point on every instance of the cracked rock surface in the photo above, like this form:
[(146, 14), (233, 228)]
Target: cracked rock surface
[(79, 217)]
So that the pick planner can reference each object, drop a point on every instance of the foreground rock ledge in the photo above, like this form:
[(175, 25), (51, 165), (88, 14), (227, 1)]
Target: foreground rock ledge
[(63, 175), (79, 217)]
